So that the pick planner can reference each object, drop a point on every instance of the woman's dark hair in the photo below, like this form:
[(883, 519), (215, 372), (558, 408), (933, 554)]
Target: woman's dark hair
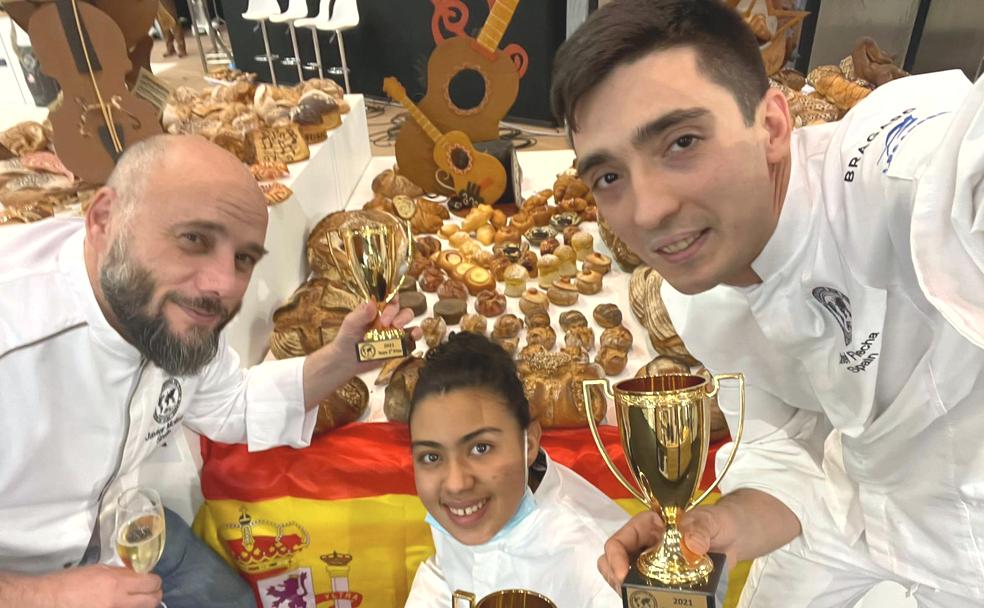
[(625, 30), (469, 360)]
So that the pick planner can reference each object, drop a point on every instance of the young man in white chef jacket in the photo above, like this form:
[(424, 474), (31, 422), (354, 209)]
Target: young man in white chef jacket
[(110, 337), (839, 267)]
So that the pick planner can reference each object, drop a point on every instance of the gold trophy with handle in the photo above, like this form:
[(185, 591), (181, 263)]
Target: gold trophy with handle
[(664, 425), (507, 598), (371, 250)]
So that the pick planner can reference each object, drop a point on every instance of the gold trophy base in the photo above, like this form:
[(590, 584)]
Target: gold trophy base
[(639, 591), (384, 344)]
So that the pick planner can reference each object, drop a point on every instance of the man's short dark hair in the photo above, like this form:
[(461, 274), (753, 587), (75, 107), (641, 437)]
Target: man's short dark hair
[(626, 30)]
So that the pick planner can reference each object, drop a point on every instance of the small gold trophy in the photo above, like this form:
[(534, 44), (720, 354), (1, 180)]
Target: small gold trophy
[(508, 598), (664, 425), (371, 250)]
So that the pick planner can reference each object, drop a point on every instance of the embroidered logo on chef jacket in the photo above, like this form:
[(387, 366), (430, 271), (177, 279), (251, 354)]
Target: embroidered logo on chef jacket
[(839, 305), (168, 402)]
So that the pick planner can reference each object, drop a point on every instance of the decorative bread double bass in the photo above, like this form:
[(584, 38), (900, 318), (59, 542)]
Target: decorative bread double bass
[(477, 177), (83, 49), (456, 63)]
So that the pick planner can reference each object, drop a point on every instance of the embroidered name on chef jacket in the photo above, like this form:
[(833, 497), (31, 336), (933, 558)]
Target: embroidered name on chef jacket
[(839, 306)]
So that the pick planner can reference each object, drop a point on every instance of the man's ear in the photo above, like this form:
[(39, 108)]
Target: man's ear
[(774, 116), (533, 433), (98, 219)]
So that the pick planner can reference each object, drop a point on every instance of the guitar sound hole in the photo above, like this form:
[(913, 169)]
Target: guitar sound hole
[(460, 159), (466, 89)]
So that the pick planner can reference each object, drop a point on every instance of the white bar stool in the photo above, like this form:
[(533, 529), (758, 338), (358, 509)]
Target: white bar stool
[(311, 23), (296, 9), (262, 11), (344, 17)]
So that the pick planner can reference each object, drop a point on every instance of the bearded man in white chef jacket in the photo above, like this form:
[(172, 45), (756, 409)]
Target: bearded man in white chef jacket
[(838, 266), (110, 337)]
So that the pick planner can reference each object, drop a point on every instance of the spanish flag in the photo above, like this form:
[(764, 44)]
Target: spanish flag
[(339, 523)]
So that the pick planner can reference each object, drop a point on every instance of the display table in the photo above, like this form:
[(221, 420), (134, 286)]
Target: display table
[(339, 521)]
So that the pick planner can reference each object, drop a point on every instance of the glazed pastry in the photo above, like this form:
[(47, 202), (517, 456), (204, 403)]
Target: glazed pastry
[(583, 244), (451, 310), (544, 336), (541, 216), (498, 267), (459, 271), (568, 260), (549, 245), (485, 234), (548, 269), (456, 239), (607, 315), (533, 299), (433, 329), (447, 259), (618, 338), (419, 264), (569, 185), (483, 258), (415, 301), (569, 233), (515, 277), (507, 326), (538, 317), (580, 336), (507, 234), (507, 344), (430, 279), (530, 262), (563, 292), (588, 282), (452, 288), (479, 279), (576, 353), (572, 318), (476, 324), (448, 229), (598, 262), (537, 234), (476, 217), (512, 251), (490, 303), (612, 360), (498, 219), (470, 248), (426, 246), (663, 365), (521, 222)]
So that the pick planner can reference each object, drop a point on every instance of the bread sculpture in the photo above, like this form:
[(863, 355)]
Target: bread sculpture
[(552, 383)]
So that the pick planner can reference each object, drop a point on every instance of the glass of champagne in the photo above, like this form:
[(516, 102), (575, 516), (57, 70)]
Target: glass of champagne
[(140, 529)]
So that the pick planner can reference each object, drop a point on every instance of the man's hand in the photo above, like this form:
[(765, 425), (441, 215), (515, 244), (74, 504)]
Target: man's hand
[(765, 523), (331, 366), (86, 587), (704, 529)]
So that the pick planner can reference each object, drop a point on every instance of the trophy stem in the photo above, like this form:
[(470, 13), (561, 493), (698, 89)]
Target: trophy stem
[(667, 563)]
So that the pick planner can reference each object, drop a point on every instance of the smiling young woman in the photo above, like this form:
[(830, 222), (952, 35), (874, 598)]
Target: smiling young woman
[(503, 514)]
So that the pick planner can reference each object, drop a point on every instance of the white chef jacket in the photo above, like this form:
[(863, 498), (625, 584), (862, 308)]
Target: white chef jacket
[(81, 408), (862, 399), (554, 551)]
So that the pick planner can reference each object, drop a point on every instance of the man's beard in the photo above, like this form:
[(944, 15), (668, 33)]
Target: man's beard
[(129, 287)]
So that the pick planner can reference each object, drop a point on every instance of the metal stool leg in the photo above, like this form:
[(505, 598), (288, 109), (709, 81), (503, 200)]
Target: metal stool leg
[(317, 54), (297, 53), (269, 56), (341, 51)]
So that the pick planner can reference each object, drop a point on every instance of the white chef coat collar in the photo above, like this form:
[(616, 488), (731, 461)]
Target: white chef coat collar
[(71, 262), (788, 239)]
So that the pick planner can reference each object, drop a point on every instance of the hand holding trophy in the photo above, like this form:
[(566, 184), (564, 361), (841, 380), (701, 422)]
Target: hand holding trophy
[(371, 250), (664, 426)]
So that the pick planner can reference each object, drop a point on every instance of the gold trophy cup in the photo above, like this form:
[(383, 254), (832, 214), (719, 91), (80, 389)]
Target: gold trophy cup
[(371, 250), (508, 598), (664, 425)]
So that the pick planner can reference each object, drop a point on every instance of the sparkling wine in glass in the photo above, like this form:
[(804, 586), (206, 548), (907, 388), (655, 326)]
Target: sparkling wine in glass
[(140, 529)]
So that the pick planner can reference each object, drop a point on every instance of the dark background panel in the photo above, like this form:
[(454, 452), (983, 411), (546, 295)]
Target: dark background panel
[(394, 39)]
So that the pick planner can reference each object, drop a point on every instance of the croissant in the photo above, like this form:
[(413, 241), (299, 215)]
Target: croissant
[(569, 185)]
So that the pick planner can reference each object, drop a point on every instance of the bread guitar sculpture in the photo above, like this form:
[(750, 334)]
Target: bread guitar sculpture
[(453, 62), (477, 177), (83, 49)]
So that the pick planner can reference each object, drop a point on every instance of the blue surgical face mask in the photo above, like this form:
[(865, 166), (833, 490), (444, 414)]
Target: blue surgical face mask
[(526, 506)]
